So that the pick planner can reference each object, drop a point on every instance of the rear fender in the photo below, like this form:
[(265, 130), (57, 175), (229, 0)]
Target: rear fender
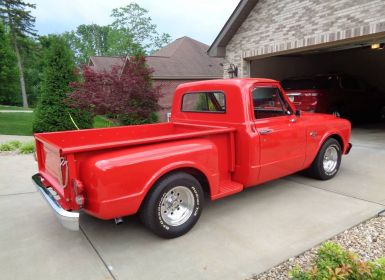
[(117, 182)]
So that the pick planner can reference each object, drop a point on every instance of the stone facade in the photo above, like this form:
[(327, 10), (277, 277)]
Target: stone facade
[(279, 26)]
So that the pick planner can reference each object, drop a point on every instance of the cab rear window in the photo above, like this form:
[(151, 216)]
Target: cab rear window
[(210, 102)]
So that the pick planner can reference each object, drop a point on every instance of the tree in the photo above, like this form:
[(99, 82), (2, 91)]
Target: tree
[(21, 23), (134, 21), (130, 95), (53, 113), (93, 39), (8, 70)]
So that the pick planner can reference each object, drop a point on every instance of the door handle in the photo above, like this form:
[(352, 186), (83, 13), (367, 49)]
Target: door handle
[(265, 131)]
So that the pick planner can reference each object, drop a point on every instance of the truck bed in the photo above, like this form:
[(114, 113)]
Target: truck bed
[(95, 139)]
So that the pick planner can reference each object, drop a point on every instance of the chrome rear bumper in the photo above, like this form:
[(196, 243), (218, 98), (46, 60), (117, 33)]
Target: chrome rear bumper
[(69, 220)]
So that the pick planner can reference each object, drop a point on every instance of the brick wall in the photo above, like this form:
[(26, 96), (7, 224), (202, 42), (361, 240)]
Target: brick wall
[(282, 25), (167, 90)]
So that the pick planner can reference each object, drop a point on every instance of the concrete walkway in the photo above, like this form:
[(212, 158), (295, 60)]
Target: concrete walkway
[(7, 138), (235, 238)]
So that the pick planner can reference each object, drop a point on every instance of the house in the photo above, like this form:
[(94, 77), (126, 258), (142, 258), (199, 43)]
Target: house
[(280, 39), (183, 60)]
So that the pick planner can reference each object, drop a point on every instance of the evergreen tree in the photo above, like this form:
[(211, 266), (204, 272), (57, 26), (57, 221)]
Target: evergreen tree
[(8, 70), (53, 113), (16, 15)]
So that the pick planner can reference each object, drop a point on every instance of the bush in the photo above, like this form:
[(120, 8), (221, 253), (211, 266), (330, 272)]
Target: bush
[(6, 147), (129, 95), (27, 148), (15, 144), (22, 148), (333, 262), (53, 113)]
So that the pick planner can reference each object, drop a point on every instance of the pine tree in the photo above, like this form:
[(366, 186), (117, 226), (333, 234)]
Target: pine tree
[(53, 112), (8, 70), (16, 15)]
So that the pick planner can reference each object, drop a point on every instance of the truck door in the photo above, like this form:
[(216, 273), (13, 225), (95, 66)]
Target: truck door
[(282, 134)]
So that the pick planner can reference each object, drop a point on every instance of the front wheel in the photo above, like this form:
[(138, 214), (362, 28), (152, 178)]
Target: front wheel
[(327, 163), (173, 206)]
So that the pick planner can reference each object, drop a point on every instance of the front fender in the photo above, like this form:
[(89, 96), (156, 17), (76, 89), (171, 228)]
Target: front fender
[(116, 182)]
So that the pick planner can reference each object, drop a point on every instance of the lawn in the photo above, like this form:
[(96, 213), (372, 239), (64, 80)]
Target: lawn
[(13, 108), (21, 123), (16, 123), (100, 122)]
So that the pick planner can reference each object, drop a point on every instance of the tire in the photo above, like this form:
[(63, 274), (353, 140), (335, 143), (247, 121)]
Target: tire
[(327, 162), (173, 206)]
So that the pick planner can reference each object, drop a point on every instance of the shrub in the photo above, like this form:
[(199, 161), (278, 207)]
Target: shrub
[(52, 112), (127, 94), (27, 148), (15, 144), (333, 262), (6, 147), (22, 148)]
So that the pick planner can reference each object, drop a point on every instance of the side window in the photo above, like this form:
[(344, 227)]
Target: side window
[(268, 102), (213, 102)]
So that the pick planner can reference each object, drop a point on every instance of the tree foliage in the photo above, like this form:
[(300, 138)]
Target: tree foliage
[(93, 39), (53, 113), (129, 95), (17, 16), (8, 72), (134, 21), (131, 32)]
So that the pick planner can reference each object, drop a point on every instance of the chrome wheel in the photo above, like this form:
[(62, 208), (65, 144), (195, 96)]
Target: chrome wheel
[(330, 159), (177, 205)]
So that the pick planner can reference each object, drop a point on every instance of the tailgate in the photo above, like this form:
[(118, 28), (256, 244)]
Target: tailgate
[(54, 170)]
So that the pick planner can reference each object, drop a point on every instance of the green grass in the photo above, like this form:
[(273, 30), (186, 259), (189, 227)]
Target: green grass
[(14, 108), (101, 122), (21, 123), (16, 123)]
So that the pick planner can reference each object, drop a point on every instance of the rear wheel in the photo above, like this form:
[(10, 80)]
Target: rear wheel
[(327, 163), (173, 206)]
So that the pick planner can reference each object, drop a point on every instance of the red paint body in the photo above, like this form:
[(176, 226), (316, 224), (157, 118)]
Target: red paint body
[(227, 151)]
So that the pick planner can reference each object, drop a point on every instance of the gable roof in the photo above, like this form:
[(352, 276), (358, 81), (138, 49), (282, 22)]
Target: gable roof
[(185, 58), (241, 12), (105, 63), (182, 59)]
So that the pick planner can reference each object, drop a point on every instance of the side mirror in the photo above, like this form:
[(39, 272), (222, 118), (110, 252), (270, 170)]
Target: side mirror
[(298, 113)]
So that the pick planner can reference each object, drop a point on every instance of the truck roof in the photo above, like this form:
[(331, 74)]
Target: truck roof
[(236, 81)]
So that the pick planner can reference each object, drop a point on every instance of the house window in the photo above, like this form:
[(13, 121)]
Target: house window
[(212, 102)]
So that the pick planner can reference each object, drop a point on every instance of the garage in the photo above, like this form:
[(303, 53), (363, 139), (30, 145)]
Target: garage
[(338, 42)]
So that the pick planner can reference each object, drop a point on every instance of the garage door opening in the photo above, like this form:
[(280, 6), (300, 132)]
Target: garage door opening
[(355, 73)]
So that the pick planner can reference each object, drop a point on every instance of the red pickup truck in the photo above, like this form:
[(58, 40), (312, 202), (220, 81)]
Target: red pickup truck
[(224, 136)]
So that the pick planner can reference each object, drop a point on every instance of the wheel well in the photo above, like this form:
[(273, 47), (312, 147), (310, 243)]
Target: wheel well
[(199, 175), (196, 173), (339, 139)]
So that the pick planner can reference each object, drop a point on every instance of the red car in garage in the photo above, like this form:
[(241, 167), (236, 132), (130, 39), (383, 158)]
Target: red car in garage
[(338, 94)]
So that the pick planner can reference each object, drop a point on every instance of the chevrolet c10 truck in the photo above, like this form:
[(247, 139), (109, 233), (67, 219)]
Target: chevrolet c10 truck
[(224, 136)]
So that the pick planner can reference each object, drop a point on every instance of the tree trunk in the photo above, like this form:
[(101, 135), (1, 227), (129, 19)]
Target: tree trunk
[(21, 71)]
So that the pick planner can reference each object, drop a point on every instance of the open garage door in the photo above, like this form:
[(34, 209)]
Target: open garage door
[(354, 74)]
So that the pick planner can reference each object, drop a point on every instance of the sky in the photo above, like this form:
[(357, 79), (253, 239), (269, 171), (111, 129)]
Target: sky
[(199, 19)]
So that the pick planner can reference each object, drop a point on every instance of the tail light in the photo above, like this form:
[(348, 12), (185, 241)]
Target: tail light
[(79, 192)]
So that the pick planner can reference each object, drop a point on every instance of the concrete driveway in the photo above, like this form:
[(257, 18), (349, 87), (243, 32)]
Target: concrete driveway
[(235, 238)]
